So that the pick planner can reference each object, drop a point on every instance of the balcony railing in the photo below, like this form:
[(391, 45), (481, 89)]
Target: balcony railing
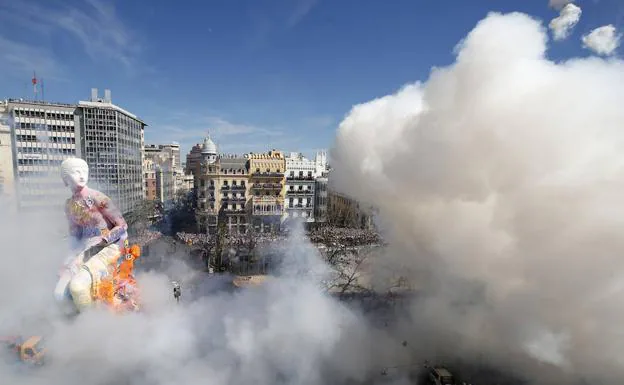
[(267, 186), (267, 174), (234, 211), (234, 199), (301, 207), (299, 192), (238, 187), (297, 177), (268, 213)]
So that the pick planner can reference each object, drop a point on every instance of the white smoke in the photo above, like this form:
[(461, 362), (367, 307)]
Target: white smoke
[(500, 183), (602, 40), (288, 331), (559, 4), (562, 25)]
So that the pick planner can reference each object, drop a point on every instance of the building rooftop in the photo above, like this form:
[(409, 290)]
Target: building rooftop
[(111, 106), (208, 147), (40, 103), (237, 163)]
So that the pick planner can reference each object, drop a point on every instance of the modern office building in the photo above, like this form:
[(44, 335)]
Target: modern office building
[(111, 141), (7, 178), (42, 135)]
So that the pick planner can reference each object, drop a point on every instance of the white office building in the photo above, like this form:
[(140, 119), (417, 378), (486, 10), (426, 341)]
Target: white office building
[(112, 144), (42, 135)]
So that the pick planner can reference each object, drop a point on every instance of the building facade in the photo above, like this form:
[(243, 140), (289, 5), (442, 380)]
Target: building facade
[(43, 134), (162, 167), (223, 191), (344, 211), (112, 140), (321, 198), (7, 178), (300, 187), (184, 183), (268, 190), (149, 176)]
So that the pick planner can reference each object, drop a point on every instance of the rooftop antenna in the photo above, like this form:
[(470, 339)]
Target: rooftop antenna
[(34, 83)]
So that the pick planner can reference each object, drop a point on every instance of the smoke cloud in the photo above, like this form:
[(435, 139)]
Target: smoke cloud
[(562, 25), (288, 331), (498, 182), (602, 40), (559, 4)]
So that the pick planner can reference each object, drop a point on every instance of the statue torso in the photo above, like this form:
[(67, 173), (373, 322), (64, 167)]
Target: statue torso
[(84, 211)]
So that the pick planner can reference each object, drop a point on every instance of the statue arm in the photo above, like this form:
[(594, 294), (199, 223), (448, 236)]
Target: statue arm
[(114, 216)]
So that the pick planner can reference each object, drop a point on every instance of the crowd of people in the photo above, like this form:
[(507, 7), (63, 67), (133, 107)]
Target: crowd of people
[(145, 237), (325, 235), (344, 236), (192, 239)]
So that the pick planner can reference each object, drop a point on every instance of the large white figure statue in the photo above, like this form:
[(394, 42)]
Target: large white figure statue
[(94, 223)]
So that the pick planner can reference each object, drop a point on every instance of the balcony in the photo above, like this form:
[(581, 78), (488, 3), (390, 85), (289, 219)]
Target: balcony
[(267, 200), (234, 199), (238, 188), (301, 207), (267, 175), (273, 186), (234, 211), (300, 177), (267, 212), (299, 192)]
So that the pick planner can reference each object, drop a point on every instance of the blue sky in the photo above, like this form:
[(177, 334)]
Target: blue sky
[(257, 73)]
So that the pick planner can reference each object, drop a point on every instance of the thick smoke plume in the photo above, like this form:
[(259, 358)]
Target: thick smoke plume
[(602, 40), (559, 4), (286, 332), (499, 183), (563, 24)]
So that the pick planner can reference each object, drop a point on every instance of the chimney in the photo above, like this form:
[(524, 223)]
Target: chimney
[(94, 94), (107, 96)]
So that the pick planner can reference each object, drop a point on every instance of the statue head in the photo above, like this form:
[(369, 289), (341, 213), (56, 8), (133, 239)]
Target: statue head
[(75, 173)]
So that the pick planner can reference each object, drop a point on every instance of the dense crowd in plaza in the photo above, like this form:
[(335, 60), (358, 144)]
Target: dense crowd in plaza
[(344, 236), (145, 237), (323, 235)]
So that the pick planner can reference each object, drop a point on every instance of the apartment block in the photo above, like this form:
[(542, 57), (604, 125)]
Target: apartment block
[(42, 135), (7, 178), (159, 166), (268, 190), (112, 141)]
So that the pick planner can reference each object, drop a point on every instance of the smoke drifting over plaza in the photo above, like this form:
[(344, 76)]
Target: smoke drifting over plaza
[(498, 184), (498, 181)]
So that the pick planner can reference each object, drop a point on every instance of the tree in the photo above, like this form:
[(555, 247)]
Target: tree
[(144, 215), (221, 241), (182, 214)]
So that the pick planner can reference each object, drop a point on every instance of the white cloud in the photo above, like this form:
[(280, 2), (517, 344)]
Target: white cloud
[(498, 183), (562, 25), (559, 4), (602, 40)]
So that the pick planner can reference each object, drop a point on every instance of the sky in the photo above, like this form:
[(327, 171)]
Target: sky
[(256, 74)]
